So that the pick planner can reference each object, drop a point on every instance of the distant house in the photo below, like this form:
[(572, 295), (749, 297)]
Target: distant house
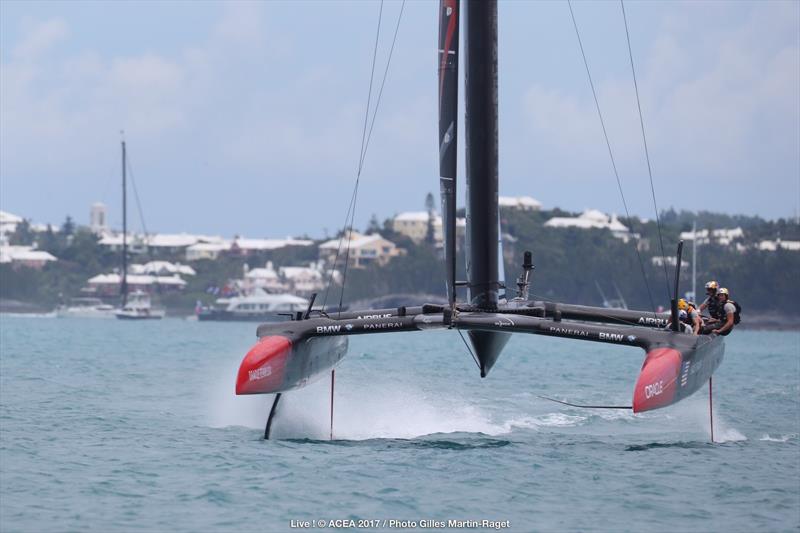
[(8, 223), (365, 250), (242, 246), (593, 219), (660, 261), (25, 256), (414, 225), (162, 268), (171, 243), (523, 203), (113, 241), (266, 278), (207, 250), (305, 280), (773, 246), (98, 218), (720, 236), (109, 284)]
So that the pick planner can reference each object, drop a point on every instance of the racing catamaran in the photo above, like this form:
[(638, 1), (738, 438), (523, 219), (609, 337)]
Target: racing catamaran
[(292, 354)]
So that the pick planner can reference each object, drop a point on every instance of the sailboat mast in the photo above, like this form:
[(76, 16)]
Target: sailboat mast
[(448, 130), (124, 284), (480, 62), (482, 151), (694, 260)]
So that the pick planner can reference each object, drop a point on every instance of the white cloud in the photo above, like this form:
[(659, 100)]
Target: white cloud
[(720, 108), (39, 39)]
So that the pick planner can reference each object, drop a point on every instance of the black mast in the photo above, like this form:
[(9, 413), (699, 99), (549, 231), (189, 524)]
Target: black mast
[(482, 174), (123, 287), (448, 129)]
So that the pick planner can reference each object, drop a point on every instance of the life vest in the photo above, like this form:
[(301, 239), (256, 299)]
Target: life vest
[(720, 312), (687, 316), (713, 306)]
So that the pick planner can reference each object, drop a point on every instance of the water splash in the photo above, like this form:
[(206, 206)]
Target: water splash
[(782, 438)]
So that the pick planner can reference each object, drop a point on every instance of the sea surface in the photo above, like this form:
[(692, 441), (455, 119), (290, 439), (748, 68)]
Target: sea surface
[(124, 426)]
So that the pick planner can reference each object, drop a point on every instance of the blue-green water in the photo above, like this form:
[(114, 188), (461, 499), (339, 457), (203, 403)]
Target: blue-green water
[(117, 426)]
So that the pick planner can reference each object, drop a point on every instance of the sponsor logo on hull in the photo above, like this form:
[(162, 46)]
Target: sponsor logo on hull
[(653, 389), (367, 317), (259, 373), (383, 325), (329, 329), (567, 331), (651, 321)]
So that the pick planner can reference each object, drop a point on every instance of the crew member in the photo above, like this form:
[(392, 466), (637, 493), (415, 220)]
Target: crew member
[(710, 302), (692, 316), (726, 313)]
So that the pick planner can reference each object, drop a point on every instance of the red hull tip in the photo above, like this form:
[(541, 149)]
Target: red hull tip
[(263, 368), (658, 380)]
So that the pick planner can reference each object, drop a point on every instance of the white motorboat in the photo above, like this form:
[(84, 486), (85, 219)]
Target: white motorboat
[(138, 307), (86, 308)]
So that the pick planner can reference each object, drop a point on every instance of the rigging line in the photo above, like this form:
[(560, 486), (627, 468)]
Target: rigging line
[(358, 174), (366, 145), (611, 155), (469, 349), (383, 82), (646, 151), (369, 94), (136, 194), (338, 250)]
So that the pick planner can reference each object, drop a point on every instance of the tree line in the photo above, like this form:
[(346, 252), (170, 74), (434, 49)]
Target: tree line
[(572, 265)]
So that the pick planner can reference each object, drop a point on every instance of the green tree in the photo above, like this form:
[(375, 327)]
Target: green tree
[(430, 207), (22, 236)]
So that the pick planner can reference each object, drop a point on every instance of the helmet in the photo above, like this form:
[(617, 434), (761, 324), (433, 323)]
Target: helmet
[(712, 285), (682, 314), (682, 305), (723, 290)]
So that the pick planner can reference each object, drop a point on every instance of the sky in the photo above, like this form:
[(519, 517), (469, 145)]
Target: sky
[(246, 118)]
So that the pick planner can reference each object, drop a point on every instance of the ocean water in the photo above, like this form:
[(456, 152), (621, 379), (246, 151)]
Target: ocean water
[(119, 426)]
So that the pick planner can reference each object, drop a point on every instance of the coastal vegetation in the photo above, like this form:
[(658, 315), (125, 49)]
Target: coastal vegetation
[(572, 264)]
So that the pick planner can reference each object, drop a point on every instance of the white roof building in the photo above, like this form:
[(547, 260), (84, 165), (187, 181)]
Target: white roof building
[(256, 245), (722, 236), (265, 278), (659, 261), (206, 250), (26, 256), (772, 246), (162, 268), (592, 219), (8, 222), (525, 203), (171, 240), (414, 225), (109, 284), (364, 250), (305, 280)]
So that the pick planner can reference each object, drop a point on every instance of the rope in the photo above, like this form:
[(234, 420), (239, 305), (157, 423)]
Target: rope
[(350, 207), (647, 152), (366, 136), (136, 193), (611, 155), (366, 145), (474, 358)]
